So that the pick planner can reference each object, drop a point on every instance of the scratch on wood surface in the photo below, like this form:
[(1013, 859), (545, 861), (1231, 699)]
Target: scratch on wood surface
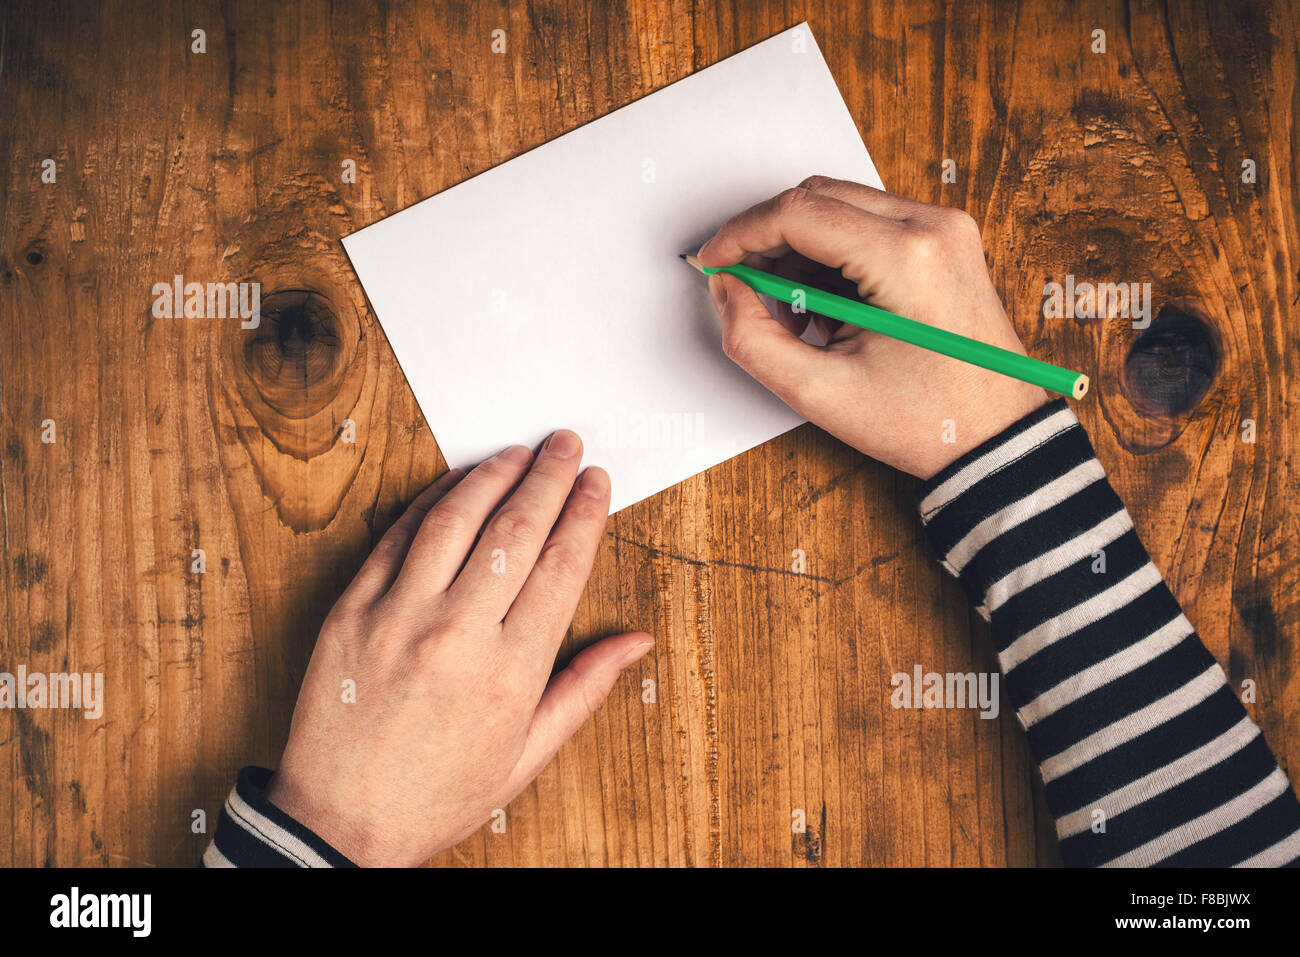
[(658, 552)]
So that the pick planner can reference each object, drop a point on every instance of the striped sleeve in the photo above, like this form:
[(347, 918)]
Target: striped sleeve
[(1146, 754), (253, 832)]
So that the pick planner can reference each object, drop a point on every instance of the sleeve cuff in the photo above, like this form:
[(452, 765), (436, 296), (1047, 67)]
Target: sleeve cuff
[(982, 513), (253, 832)]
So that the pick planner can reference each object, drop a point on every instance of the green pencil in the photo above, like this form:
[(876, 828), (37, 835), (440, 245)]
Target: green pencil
[(907, 330)]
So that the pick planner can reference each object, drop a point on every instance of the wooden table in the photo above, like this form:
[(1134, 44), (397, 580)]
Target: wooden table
[(771, 686)]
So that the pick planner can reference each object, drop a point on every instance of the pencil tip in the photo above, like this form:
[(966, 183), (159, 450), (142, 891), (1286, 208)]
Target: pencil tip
[(681, 255)]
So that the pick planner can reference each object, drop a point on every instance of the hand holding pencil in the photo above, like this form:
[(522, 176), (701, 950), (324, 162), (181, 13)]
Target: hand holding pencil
[(887, 398)]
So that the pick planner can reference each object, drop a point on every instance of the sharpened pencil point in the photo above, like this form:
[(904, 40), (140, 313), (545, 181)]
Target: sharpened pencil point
[(692, 260), (681, 256)]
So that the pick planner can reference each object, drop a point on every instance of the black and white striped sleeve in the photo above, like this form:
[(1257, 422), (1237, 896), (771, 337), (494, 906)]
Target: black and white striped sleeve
[(1146, 754), (253, 832)]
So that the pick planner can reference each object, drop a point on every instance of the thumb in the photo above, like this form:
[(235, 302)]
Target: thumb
[(572, 696), (762, 346)]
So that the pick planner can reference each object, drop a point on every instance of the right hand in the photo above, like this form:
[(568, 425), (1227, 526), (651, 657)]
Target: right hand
[(886, 398)]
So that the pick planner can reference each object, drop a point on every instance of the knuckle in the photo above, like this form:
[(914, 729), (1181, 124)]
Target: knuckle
[(585, 508), (921, 246), (433, 645), (390, 547), (393, 625), (346, 623), (513, 525), (964, 219), (446, 520), (960, 222), (590, 686), (792, 200), (427, 657), (549, 468), (734, 345), (455, 626), (816, 182), (495, 469), (592, 697), (560, 561)]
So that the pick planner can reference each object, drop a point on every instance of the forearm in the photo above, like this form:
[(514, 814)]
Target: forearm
[(1146, 754)]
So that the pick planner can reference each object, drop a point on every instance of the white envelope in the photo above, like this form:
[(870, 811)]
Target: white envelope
[(547, 292)]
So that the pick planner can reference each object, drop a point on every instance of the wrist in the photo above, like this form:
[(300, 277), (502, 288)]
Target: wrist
[(354, 839), (996, 414)]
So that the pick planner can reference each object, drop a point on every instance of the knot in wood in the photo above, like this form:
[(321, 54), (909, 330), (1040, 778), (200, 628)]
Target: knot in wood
[(295, 356), (1172, 364)]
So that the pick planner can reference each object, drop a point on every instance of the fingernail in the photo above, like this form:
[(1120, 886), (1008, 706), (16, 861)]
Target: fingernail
[(515, 455), (563, 444), (636, 653), (703, 248), (594, 482), (718, 291)]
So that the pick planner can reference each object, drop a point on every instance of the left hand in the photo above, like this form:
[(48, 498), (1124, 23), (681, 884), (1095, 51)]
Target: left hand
[(450, 632)]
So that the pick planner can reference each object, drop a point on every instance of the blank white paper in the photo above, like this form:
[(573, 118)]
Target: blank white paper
[(547, 292)]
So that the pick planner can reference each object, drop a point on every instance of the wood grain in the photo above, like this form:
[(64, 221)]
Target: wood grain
[(772, 687)]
